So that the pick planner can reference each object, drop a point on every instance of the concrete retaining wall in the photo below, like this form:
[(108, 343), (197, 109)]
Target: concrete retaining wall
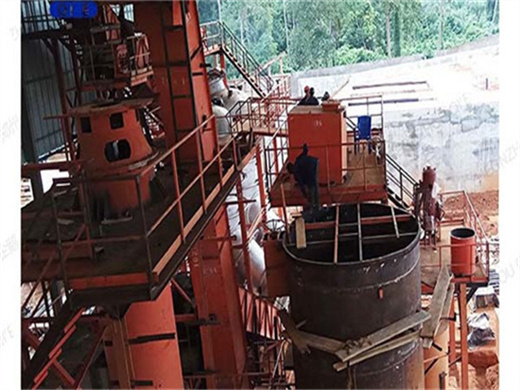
[(332, 79), (462, 142)]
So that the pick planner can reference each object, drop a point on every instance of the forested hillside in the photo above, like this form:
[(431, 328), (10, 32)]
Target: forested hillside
[(323, 33)]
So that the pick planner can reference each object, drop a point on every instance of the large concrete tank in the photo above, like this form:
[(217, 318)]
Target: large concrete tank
[(353, 298)]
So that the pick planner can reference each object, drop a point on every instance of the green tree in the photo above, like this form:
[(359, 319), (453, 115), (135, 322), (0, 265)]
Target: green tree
[(321, 33)]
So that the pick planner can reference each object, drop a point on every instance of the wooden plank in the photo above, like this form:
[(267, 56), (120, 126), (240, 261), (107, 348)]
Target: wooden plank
[(292, 331), (357, 347), (301, 239), (385, 347), (395, 222), (444, 323), (437, 303), (322, 343)]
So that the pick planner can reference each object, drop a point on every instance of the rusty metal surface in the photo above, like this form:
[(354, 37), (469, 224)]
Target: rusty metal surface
[(352, 299)]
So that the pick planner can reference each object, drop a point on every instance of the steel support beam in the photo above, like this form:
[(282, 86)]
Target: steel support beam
[(217, 296), (142, 347), (463, 336)]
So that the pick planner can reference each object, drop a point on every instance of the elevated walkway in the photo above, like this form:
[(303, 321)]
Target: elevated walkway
[(131, 258)]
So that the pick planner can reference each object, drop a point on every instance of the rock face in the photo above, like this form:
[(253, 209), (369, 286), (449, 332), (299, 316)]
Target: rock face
[(461, 141), (483, 358)]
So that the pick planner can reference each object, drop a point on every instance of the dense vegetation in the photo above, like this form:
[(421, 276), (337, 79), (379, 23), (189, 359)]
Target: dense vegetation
[(321, 33)]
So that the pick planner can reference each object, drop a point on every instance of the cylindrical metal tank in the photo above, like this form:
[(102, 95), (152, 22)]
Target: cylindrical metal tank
[(352, 298), (217, 84), (462, 251), (232, 99), (223, 126)]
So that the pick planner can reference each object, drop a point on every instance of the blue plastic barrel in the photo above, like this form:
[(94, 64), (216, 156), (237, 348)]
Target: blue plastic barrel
[(364, 125)]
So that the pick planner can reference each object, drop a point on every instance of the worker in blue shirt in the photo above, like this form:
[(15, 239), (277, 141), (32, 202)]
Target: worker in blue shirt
[(305, 172)]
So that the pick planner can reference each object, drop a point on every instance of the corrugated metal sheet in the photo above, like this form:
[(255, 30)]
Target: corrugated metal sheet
[(39, 81), (42, 96)]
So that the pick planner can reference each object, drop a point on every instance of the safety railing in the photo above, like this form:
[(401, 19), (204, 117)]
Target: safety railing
[(111, 61), (266, 117), (54, 215), (185, 203), (260, 316), (362, 178), (370, 105), (400, 183), (217, 34), (464, 215)]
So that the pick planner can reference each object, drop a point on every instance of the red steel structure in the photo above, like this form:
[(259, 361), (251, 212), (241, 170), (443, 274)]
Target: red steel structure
[(113, 177), (107, 248)]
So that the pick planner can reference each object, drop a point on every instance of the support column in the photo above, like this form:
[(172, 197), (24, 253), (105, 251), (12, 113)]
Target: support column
[(463, 336), (222, 61), (180, 73), (142, 349), (216, 293), (452, 325), (261, 184)]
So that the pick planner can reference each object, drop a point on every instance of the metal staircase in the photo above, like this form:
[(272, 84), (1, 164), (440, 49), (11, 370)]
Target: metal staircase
[(219, 38), (400, 184)]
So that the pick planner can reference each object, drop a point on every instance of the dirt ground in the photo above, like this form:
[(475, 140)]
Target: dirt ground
[(486, 206), (483, 361)]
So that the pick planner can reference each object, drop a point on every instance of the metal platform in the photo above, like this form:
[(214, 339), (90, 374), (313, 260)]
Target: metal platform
[(435, 256), (364, 179), (131, 258)]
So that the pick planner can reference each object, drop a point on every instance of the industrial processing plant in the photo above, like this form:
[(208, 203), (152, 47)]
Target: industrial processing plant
[(194, 217)]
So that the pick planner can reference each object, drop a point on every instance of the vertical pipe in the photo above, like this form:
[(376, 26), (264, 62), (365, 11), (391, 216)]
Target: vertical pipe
[(243, 232), (222, 61), (261, 185)]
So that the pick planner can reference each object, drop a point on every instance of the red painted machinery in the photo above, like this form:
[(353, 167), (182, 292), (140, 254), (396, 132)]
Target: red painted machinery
[(112, 142), (324, 131), (127, 260), (427, 206)]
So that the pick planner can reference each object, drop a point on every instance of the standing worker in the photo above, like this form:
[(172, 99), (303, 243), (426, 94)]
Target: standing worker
[(312, 101), (304, 99), (305, 172)]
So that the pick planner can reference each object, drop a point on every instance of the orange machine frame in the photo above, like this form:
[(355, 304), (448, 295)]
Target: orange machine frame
[(318, 127)]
